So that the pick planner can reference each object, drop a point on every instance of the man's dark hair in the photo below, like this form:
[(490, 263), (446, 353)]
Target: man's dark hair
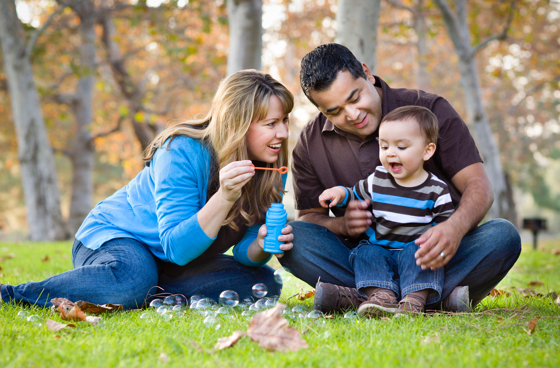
[(426, 120), (320, 67)]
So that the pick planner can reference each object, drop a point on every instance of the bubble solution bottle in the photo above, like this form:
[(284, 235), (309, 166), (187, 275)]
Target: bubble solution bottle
[(276, 218)]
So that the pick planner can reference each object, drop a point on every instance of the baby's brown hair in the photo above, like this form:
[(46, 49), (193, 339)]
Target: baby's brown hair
[(426, 120)]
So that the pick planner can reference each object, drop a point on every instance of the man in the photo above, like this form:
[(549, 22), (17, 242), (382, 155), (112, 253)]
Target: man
[(339, 147)]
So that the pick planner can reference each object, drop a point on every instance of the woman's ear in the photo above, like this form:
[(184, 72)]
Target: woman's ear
[(429, 151)]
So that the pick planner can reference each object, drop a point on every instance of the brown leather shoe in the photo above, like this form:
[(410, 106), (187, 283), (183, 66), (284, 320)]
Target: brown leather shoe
[(408, 308), (379, 304), (334, 298)]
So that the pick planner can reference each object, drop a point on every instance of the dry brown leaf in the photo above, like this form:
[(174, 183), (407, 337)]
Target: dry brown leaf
[(0, 268), (495, 293), (272, 331), (558, 301), (305, 294), (428, 339), (226, 342), (555, 252), (385, 318), (88, 307), (74, 314), (46, 259), (57, 326), (536, 283), (2, 259), (57, 336), (532, 324)]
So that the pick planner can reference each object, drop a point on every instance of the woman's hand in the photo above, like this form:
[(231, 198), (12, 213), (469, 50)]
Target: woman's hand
[(286, 237), (233, 177)]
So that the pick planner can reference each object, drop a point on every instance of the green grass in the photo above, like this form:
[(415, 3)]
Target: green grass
[(495, 334)]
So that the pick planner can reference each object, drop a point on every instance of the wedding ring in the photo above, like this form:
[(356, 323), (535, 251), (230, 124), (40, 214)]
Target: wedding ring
[(442, 255)]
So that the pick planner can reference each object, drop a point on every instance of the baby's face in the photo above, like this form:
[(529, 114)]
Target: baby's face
[(403, 150)]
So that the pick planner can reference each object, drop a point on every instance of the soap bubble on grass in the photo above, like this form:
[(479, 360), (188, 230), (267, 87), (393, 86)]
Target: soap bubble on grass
[(315, 314), (260, 290), (23, 314), (35, 320), (169, 300), (229, 298), (212, 322), (351, 315), (282, 275), (156, 303)]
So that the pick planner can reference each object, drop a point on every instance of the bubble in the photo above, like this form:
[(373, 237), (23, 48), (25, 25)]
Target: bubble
[(180, 300), (35, 320), (351, 315), (259, 290), (210, 321), (229, 298), (298, 309), (146, 316), (166, 316), (269, 303), (156, 303), (261, 304), (254, 307), (23, 314), (169, 300), (195, 298), (178, 308), (162, 310), (315, 314), (287, 313), (223, 310), (247, 313), (203, 304), (282, 275)]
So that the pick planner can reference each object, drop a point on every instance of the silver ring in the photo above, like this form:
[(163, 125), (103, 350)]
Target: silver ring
[(442, 255)]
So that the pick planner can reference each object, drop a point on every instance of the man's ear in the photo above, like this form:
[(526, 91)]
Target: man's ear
[(369, 75), (429, 151)]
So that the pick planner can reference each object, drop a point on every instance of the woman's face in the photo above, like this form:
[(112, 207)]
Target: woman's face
[(265, 137)]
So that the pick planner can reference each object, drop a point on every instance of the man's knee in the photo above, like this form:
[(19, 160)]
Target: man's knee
[(505, 236)]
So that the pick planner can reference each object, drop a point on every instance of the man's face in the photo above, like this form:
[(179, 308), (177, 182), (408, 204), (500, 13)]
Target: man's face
[(352, 105)]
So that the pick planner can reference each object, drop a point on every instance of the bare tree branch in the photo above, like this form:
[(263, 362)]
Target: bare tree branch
[(501, 36), (33, 39), (109, 132), (62, 151)]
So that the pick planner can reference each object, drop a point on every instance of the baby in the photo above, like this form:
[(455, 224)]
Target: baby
[(406, 201)]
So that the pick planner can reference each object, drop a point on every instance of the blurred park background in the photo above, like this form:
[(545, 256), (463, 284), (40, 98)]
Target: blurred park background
[(85, 84)]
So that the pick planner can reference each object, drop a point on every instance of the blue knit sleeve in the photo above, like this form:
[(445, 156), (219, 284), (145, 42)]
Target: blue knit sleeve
[(180, 180)]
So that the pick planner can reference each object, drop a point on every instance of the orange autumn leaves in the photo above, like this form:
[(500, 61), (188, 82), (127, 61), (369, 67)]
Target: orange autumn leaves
[(70, 311)]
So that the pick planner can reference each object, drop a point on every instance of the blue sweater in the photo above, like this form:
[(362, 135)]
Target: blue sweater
[(159, 207)]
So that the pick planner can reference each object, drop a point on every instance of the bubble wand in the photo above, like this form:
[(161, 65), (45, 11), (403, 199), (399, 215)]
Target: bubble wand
[(281, 170)]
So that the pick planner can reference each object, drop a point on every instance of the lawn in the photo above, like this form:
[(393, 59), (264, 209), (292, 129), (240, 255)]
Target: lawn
[(496, 334)]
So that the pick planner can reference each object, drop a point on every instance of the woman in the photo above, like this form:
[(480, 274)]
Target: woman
[(197, 196)]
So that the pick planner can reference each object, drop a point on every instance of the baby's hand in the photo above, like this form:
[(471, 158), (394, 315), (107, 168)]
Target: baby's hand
[(332, 196)]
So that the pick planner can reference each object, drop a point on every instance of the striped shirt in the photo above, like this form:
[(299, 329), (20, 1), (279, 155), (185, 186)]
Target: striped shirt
[(401, 214)]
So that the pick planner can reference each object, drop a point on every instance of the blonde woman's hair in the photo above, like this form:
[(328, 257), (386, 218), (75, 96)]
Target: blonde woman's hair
[(242, 98)]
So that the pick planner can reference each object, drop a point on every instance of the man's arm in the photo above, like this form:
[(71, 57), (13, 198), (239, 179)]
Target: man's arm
[(355, 221), (477, 197)]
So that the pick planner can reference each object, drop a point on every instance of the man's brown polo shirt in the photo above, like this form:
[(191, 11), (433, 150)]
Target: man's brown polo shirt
[(325, 156)]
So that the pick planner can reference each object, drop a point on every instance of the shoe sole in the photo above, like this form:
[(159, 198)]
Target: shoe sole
[(318, 297), (374, 310)]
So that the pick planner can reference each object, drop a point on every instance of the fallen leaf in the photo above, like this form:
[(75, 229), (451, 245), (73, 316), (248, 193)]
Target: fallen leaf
[(88, 307), (495, 293), (272, 331), (46, 259), (536, 283), (2, 259), (305, 294), (226, 342), (328, 316), (74, 314), (428, 339), (500, 319), (57, 326), (0, 268), (385, 318), (532, 324), (555, 252), (558, 301), (57, 336)]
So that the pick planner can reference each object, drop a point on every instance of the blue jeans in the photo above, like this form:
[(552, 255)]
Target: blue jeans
[(393, 269), (123, 271), (485, 256)]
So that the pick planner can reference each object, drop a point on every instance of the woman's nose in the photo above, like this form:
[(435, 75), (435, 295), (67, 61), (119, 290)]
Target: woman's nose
[(282, 131)]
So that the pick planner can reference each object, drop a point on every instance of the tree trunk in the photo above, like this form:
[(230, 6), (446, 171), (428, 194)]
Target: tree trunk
[(38, 171), (356, 28), (245, 35), (459, 33), (83, 149), (422, 48)]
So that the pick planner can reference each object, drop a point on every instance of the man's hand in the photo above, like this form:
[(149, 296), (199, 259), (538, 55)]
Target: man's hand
[(444, 238), (357, 218)]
